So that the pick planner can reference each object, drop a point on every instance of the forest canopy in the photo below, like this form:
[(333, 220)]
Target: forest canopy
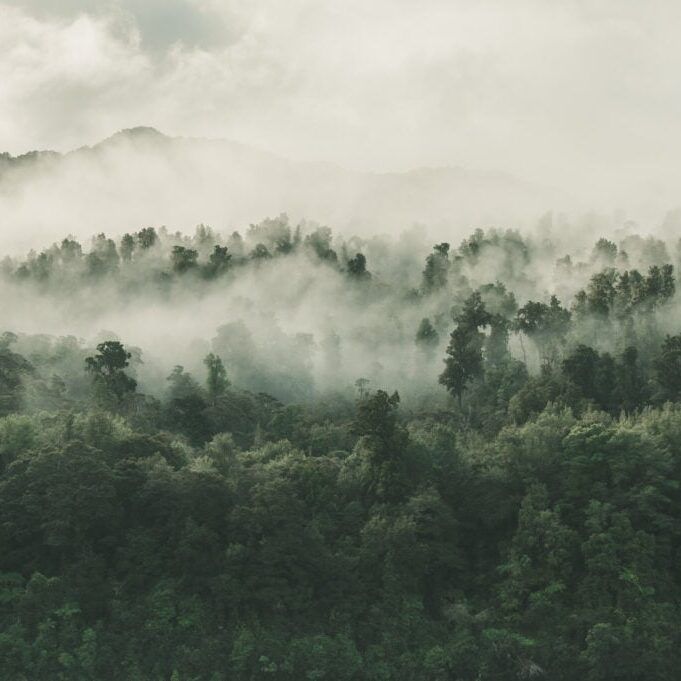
[(336, 458)]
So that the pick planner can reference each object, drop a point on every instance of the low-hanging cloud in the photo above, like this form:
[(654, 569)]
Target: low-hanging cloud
[(581, 94)]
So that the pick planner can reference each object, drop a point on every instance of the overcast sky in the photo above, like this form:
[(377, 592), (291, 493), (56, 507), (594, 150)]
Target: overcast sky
[(579, 94)]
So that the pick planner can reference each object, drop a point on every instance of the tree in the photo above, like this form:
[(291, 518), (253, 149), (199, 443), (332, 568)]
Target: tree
[(217, 380), (103, 257), (437, 268), (362, 386), (667, 367), (376, 421), (357, 267), (546, 325), (604, 251), (107, 370), (630, 386), (127, 247), (580, 368), (260, 252), (14, 370), (473, 314), (186, 406), (319, 242), (463, 362), (601, 292), (427, 336), (147, 238), (183, 259), (219, 261)]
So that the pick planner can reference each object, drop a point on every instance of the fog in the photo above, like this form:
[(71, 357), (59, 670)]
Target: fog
[(142, 177), (580, 96), (398, 125), (287, 314)]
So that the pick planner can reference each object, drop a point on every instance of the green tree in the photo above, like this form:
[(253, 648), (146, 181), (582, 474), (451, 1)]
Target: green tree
[(147, 238), (377, 422), (463, 362), (436, 269), (464, 358), (357, 267), (630, 388), (127, 247), (219, 261), (184, 259), (427, 336), (667, 367), (107, 367), (217, 380)]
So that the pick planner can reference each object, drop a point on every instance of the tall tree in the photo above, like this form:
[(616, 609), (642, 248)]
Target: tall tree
[(667, 366), (217, 380), (436, 269), (107, 368), (427, 337)]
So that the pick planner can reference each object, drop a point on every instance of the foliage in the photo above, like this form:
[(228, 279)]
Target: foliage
[(522, 522)]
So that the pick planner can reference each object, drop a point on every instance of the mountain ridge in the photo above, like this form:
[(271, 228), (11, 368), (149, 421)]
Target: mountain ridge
[(150, 135), (141, 176)]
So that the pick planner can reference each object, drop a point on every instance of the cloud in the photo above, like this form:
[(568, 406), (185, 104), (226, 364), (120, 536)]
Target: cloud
[(579, 94)]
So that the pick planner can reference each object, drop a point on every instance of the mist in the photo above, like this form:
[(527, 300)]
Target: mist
[(288, 316), (577, 96), (340, 340)]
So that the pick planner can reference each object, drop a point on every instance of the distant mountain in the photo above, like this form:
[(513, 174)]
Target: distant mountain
[(141, 177)]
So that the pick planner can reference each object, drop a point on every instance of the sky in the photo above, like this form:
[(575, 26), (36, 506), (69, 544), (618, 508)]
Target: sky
[(579, 94)]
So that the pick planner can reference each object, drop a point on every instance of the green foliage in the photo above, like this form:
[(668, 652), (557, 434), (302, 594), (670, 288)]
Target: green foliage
[(437, 268), (218, 530), (427, 336), (217, 381), (357, 267), (668, 367), (112, 384)]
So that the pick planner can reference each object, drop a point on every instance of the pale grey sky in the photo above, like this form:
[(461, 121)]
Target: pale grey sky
[(580, 94)]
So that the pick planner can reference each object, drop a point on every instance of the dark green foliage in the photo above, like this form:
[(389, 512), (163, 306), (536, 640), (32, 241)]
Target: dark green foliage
[(357, 267), (386, 443), (103, 257), (463, 362), (605, 251), (437, 268), (147, 237), (219, 261), (631, 388), (112, 384), (127, 247), (546, 325), (13, 369), (668, 367), (217, 382), (464, 359), (209, 532), (184, 259), (319, 242), (626, 293)]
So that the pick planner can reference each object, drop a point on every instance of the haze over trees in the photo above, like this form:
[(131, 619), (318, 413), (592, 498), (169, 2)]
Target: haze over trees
[(356, 459)]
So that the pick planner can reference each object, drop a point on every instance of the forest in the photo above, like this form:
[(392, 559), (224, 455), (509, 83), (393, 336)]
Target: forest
[(288, 455)]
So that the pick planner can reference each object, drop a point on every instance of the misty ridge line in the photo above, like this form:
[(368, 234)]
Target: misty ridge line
[(142, 177), (151, 137)]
